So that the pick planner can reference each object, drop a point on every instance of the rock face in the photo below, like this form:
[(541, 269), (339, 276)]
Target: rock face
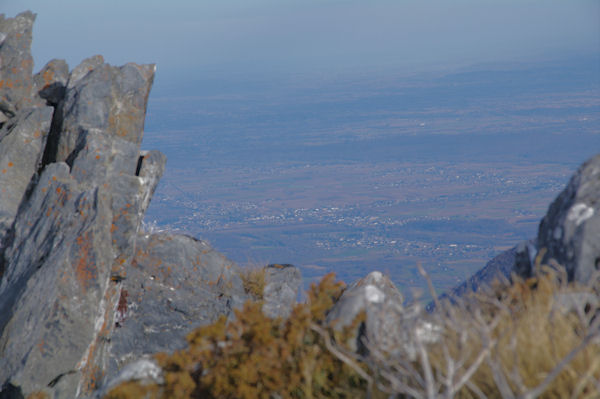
[(570, 232), (175, 283), (82, 291)]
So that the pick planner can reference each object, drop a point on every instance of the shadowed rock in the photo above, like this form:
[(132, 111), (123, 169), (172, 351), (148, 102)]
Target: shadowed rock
[(51, 81)]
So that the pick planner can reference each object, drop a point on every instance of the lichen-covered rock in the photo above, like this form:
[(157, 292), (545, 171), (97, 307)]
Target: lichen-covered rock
[(569, 233), (67, 232), (100, 97), (282, 284), (16, 64), (55, 293), (51, 81), (175, 283), (22, 143)]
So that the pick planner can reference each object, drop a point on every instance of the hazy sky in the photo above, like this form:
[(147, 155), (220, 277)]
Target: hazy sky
[(187, 36)]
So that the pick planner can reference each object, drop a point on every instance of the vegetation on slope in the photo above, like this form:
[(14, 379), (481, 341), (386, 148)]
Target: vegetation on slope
[(528, 339)]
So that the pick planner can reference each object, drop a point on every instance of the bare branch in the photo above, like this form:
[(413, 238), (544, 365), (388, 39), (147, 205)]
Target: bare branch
[(424, 274), (338, 353)]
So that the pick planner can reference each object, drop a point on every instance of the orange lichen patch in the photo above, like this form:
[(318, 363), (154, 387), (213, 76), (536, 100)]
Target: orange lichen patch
[(85, 269), (97, 156), (58, 190), (127, 205), (18, 35), (10, 164), (48, 77), (14, 70), (3, 170), (53, 178), (37, 134), (26, 63), (42, 346), (113, 228)]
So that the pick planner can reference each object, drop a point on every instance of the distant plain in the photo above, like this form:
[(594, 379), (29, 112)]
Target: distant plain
[(352, 172)]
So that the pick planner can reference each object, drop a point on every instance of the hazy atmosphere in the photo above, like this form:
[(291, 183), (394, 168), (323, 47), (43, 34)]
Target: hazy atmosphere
[(197, 37), (351, 135)]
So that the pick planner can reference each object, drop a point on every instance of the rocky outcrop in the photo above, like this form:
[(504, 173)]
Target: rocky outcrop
[(174, 284), (82, 291), (569, 233)]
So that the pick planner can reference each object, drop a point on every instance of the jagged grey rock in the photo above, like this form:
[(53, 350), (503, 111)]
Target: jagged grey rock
[(51, 81), (100, 97), (16, 64), (22, 142), (71, 229), (569, 233), (54, 294), (282, 283), (175, 283)]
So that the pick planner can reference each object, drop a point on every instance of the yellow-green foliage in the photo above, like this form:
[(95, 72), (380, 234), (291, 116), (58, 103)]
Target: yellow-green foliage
[(258, 357), (526, 336), (254, 281)]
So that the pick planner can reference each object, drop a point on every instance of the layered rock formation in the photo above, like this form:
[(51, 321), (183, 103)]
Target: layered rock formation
[(83, 291)]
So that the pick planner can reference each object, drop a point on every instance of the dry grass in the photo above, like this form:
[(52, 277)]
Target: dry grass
[(253, 279), (513, 341)]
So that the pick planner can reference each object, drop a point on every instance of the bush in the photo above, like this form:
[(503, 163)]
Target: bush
[(515, 340), (255, 356)]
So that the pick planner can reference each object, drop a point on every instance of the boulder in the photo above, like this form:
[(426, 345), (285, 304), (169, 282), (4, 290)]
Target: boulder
[(382, 304), (280, 294), (569, 233)]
